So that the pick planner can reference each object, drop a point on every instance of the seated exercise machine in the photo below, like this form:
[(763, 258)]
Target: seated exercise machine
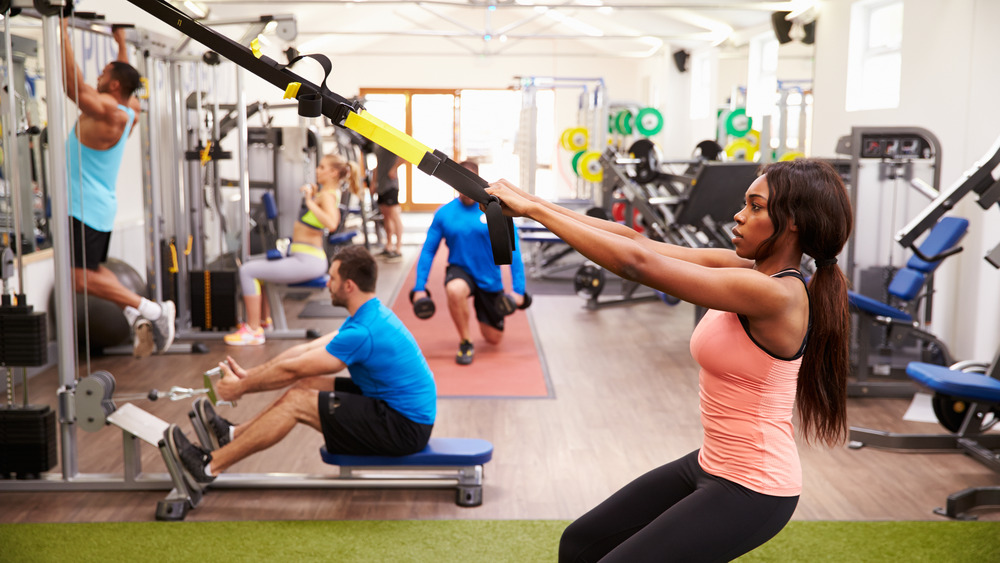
[(445, 463), (95, 405), (879, 372), (891, 307), (966, 398)]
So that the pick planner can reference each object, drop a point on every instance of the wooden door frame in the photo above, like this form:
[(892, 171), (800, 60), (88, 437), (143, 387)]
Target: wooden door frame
[(408, 205)]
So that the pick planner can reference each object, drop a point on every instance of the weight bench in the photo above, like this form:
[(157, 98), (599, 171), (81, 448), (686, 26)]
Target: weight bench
[(444, 463), (968, 404), (545, 252), (907, 289)]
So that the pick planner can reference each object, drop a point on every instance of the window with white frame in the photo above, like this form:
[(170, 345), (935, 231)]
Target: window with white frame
[(875, 55), (762, 76), (702, 85)]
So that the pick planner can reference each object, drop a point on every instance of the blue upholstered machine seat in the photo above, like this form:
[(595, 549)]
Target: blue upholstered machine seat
[(440, 452), (959, 384), (876, 307)]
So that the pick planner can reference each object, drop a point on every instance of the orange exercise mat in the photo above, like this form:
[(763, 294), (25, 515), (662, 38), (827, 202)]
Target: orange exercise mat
[(512, 368)]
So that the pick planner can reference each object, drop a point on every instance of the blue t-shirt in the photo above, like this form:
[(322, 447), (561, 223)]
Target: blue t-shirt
[(93, 175), (464, 230), (385, 362)]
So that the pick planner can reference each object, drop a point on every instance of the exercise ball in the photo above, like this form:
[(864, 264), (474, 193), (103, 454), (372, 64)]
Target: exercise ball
[(104, 319)]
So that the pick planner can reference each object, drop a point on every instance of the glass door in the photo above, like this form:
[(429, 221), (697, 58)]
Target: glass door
[(429, 117)]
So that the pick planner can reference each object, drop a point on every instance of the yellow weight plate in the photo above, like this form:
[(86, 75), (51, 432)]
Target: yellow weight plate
[(564, 139), (741, 149), (578, 139), (590, 167), (791, 155)]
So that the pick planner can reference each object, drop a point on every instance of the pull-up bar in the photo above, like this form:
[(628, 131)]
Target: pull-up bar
[(315, 100)]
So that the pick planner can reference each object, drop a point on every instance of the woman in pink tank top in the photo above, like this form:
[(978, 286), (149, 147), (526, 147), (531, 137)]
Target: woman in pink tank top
[(767, 345)]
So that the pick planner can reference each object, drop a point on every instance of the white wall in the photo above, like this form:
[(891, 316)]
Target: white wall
[(949, 83)]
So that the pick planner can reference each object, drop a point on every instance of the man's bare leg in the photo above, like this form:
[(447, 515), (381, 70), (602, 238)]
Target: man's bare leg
[(297, 405)]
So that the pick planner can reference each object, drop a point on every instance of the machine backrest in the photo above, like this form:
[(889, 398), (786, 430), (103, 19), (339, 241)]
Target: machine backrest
[(270, 206), (943, 237), (908, 281), (717, 191)]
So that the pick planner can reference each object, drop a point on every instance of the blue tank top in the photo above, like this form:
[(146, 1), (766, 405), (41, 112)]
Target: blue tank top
[(92, 178)]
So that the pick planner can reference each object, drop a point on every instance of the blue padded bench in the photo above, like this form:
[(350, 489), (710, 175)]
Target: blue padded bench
[(444, 463), (963, 385)]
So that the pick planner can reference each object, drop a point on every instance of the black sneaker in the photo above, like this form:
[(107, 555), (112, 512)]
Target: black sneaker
[(193, 459), (465, 353), (216, 428)]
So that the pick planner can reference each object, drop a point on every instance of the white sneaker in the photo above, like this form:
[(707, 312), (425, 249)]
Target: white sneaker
[(142, 338), (163, 327)]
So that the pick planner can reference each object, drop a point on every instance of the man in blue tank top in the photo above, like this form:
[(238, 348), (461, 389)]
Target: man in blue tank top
[(471, 271), (94, 150), (386, 407)]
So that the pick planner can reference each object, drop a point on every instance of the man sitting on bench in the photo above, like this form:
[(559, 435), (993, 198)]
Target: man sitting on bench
[(386, 407)]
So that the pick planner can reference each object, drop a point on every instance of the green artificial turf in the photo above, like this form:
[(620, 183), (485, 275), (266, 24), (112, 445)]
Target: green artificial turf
[(440, 541)]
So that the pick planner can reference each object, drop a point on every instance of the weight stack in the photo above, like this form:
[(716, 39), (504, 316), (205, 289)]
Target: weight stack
[(213, 299), (27, 441), (23, 335)]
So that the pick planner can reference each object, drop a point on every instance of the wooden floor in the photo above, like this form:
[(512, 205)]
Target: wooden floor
[(625, 401)]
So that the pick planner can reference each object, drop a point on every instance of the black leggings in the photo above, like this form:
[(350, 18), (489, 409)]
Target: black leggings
[(676, 513)]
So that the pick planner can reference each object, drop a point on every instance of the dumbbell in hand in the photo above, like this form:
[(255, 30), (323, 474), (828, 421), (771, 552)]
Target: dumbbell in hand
[(423, 307), (506, 303)]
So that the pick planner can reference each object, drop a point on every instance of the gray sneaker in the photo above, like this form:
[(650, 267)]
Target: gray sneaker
[(142, 338), (392, 256), (163, 327)]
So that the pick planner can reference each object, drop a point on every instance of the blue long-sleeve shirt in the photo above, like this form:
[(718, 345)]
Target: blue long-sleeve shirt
[(464, 231)]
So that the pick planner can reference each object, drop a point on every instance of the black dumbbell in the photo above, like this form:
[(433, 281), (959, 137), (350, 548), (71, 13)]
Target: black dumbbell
[(507, 305), (424, 307)]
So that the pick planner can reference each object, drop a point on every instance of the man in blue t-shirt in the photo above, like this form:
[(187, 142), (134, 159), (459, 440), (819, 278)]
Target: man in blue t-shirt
[(471, 270), (386, 407)]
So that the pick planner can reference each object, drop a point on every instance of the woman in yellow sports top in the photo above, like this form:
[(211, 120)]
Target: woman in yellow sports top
[(306, 258), (769, 344)]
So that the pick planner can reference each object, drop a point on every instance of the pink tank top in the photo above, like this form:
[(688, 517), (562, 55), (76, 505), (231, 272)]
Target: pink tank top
[(747, 399)]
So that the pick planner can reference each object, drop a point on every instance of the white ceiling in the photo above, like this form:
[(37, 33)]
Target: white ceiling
[(623, 28)]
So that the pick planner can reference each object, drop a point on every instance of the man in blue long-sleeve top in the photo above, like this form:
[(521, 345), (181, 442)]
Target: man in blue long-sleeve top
[(471, 271)]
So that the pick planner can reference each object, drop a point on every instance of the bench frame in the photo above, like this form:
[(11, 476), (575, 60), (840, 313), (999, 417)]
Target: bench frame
[(970, 440)]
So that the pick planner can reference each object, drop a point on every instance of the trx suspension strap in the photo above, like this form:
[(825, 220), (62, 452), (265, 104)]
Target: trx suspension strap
[(319, 100)]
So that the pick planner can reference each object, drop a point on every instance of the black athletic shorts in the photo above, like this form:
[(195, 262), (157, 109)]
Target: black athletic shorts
[(95, 243), (357, 425), (390, 197), (484, 301)]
